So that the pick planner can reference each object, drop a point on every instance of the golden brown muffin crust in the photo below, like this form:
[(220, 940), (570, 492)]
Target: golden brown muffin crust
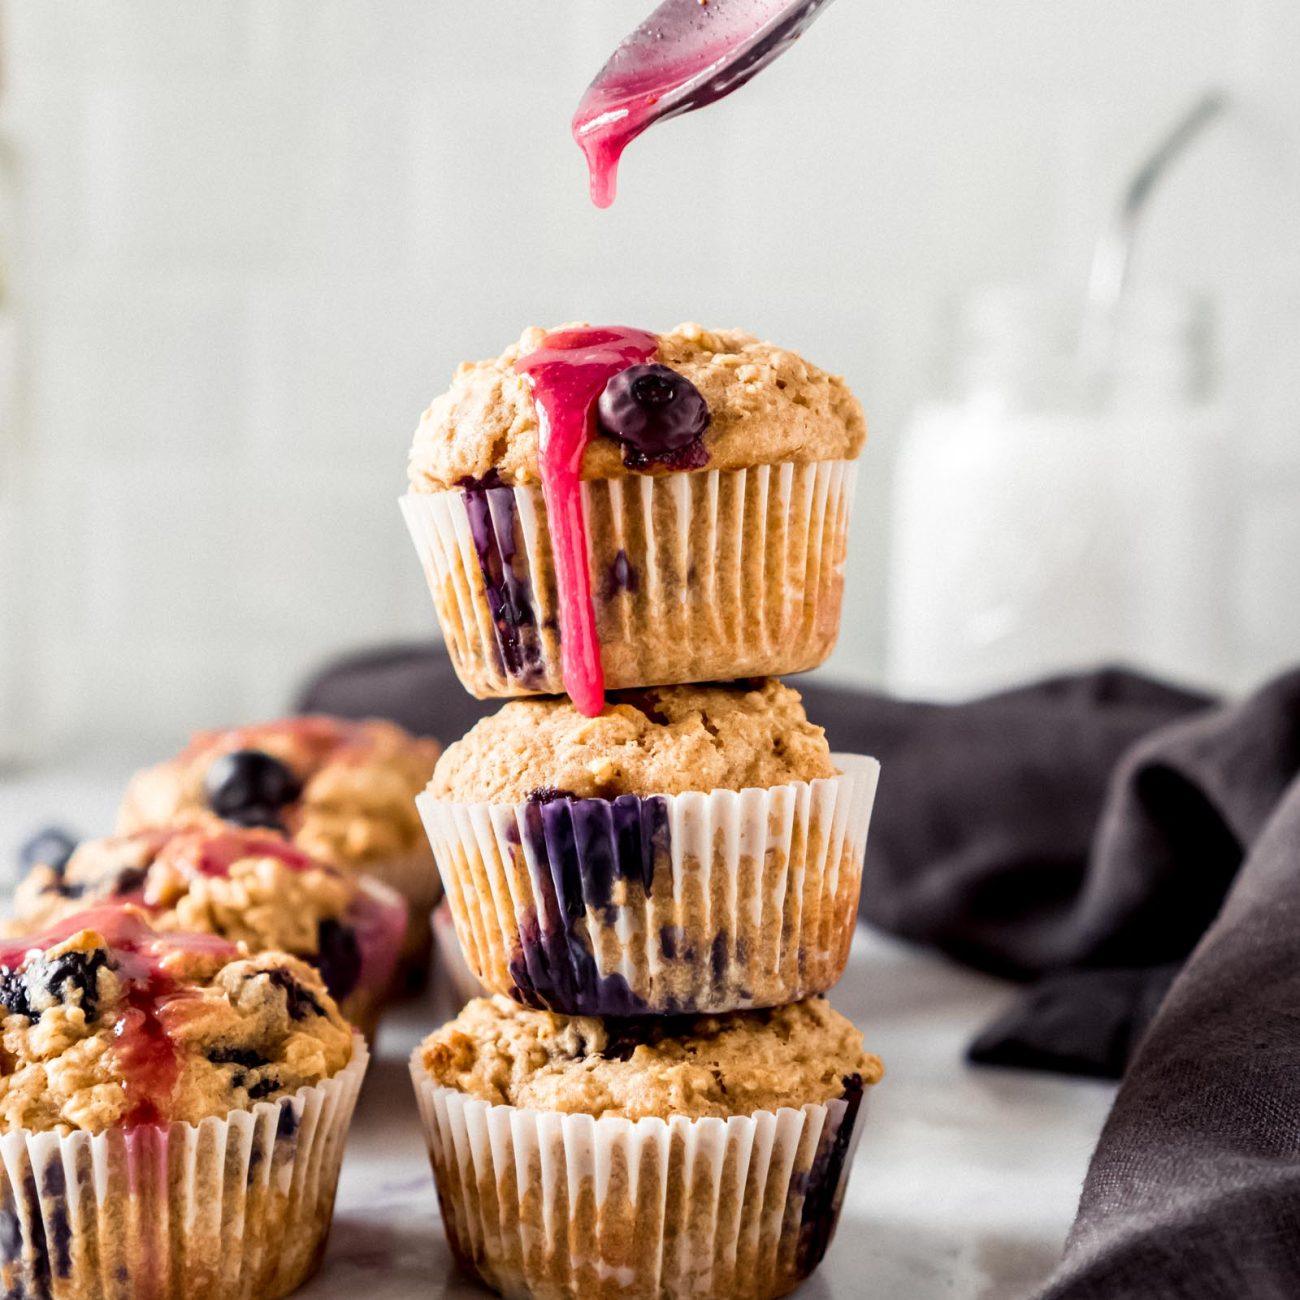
[(359, 782), (658, 1066), (663, 740), (100, 1021), (265, 893), (767, 404)]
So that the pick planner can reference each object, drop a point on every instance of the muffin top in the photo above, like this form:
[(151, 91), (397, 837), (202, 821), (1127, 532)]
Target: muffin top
[(342, 790), (107, 1021), (249, 886), (765, 404), (658, 1065), (662, 740)]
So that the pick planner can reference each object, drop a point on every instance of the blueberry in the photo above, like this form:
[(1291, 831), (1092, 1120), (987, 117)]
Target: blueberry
[(51, 847), (657, 414), (242, 1056), (72, 973), (257, 816), (338, 958), (13, 994), (248, 786), (300, 1001)]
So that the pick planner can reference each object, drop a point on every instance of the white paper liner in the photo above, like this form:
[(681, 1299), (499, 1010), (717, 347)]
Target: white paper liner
[(752, 900), (236, 1207), (540, 1203), (712, 575)]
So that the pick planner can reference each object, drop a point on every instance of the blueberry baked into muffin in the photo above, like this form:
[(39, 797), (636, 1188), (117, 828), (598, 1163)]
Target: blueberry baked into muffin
[(172, 1112), (723, 1145), (342, 790), (603, 507), (691, 849), (249, 886)]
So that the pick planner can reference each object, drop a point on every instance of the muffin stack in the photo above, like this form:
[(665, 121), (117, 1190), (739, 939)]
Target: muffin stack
[(657, 874)]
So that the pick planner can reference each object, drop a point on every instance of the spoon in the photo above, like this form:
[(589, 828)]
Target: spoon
[(688, 53)]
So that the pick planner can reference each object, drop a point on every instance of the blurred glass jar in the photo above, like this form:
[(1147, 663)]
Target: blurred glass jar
[(1068, 502)]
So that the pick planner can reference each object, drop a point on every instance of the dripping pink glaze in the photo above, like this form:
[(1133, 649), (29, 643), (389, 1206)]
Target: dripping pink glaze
[(687, 54), (148, 1058), (214, 854), (617, 107), (568, 372)]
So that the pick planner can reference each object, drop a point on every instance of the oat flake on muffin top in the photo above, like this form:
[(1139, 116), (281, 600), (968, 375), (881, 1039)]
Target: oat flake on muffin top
[(662, 740), (766, 404), (661, 1066)]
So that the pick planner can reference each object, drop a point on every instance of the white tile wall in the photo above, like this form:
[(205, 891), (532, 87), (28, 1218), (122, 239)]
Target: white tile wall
[(261, 234)]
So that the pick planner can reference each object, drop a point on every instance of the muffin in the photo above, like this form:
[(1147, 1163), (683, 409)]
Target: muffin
[(701, 1157), (342, 790), (692, 849), (173, 1113), (612, 508), (249, 886)]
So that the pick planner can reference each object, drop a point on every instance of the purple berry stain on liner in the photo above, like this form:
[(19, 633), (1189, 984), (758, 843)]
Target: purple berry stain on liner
[(658, 415), (622, 576), (580, 849), (490, 507), (823, 1184)]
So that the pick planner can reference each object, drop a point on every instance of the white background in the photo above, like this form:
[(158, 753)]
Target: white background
[(261, 233)]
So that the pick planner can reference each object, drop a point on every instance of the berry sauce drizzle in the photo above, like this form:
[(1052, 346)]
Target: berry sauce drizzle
[(567, 373), (150, 1066), (687, 54), (203, 853)]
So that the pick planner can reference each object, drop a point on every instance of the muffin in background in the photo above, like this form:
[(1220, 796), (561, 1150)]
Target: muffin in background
[(252, 887), (701, 1157), (172, 1112), (716, 488), (692, 849), (342, 790)]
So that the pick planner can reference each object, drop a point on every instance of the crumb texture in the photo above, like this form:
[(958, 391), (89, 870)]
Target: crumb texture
[(766, 404), (657, 1066), (662, 740), (251, 887), (107, 1022)]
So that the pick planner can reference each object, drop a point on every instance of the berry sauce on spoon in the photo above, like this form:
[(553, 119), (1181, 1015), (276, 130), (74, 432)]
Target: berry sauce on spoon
[(568, 373), (688, 53)]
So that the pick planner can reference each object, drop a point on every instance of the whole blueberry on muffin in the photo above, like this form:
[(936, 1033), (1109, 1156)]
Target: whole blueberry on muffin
[(249, 886), (342, 790), (151, 1083), (604, 507), (786, 1084), (691, 849)]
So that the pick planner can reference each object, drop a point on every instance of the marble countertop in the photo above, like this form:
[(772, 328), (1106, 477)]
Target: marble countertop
[(964, 1184)]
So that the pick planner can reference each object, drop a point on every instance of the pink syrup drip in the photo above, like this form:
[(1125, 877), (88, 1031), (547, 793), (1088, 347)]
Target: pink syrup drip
[(150, 1065), (687, 54), (208, 854), (568, 372)]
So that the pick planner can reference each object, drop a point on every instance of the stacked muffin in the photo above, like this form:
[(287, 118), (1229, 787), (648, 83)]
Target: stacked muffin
[(658, 883)]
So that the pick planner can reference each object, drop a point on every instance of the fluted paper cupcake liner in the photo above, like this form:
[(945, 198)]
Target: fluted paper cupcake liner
[(453, 976), (543, 1204), (712, 575), (664, 904), (233, 1208)]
